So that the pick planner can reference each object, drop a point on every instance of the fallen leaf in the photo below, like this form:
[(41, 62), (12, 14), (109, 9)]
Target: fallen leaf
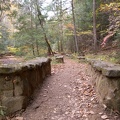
[(100, 113), (91, 112), (19, 118), (104, 116)]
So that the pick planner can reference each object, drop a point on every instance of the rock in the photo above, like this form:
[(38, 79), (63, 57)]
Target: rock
[(18, 86), (100, 113), (91, 112), (13, 104), (8, 93), (111, 71), (2, 82), (8, 85), (5, 69), (60, 59), (19, 118), (81, 58)]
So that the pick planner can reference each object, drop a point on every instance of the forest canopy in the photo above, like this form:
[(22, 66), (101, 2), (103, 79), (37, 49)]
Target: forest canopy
[(37, 27)]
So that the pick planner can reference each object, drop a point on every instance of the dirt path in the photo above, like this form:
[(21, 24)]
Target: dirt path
[(66, 95)]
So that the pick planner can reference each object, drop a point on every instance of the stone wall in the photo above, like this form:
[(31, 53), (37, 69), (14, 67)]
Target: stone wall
[(106, 79), (18, 82)]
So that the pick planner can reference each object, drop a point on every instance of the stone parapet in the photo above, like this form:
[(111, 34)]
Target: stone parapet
[(105, 77), (18, 82)]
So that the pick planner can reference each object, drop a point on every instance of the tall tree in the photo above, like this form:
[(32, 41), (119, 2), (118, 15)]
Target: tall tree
[(41, 22), (75, 34), (94, 25), (59, 11), (61, 25)]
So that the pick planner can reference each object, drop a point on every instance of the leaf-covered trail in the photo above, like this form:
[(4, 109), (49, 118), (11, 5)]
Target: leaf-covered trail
[(66, 95)]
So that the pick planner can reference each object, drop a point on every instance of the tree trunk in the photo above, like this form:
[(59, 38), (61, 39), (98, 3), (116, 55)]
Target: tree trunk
[(31, 25), (33, 50), (58, 46), (61, 40), (37, 45), (61, 26), (37, 48), (75, 34), (94, 25), (41, 20)]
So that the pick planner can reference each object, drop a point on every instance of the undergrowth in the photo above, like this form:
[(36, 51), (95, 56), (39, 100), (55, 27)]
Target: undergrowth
[(113, 57)]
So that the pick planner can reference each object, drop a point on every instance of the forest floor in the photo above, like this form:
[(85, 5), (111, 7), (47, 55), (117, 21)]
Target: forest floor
[(66, 95)]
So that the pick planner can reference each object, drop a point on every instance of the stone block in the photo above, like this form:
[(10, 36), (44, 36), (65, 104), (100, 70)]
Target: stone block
[(8, 85), (5, 69), (2, 82), (107, 69), (111, 71), (81, 58), (60, 59), (8, 93), (18, 86), (27, 89), (13, 104), (108, 92)]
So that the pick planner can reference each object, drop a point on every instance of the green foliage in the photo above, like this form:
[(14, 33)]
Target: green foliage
[(28, 37), (13, 49), (4, 37), (4, 6), (109, 58), (118, 41), (83, 10)]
